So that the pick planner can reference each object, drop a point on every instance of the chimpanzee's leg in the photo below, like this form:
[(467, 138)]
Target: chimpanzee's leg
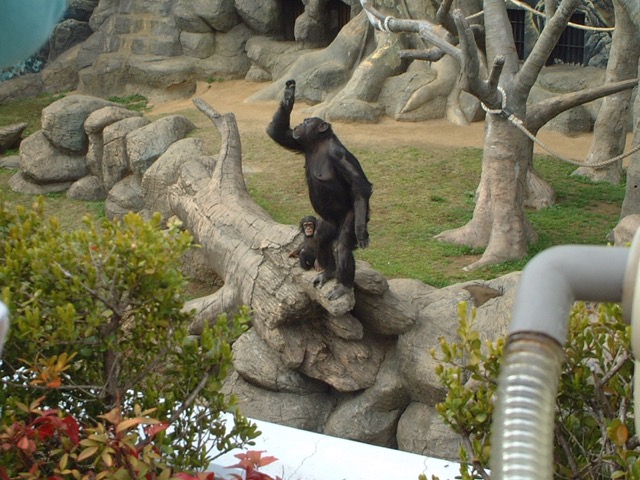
[(307, 258), (326, 232), (345, 262)]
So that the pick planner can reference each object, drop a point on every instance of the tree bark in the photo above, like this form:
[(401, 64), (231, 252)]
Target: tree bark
[(610, 130), (631, 204), (328, 340)]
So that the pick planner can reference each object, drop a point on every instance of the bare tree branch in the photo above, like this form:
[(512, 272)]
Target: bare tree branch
[(541, 112), (435, 34), (540, 52)]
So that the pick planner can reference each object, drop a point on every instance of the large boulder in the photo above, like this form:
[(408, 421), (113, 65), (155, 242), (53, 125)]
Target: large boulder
[(114, 160), (42, 163), (422, 430), (262, 16), (146, 144), (88, 189), (305, 411), (63, 122), (94, 126), (124, 197), (259, 365), (372, 416), (67, 34), (220, 15)]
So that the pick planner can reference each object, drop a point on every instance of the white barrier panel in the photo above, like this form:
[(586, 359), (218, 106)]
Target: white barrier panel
[(306, 455)]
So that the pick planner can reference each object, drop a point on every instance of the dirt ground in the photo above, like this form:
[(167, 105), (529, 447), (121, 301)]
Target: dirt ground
[(232, 95)]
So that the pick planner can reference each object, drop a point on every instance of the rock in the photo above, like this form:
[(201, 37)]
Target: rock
[(124, 197), (146, 144), (229, 59), (391, 316), (307, 412), (220, 15), (494, 316), (94, 126), (42, 163), (61, 75), (198, 45), (188, 19), (353, 110), (63, 122), (67, 34), (115, 160), (99, 119), (11, 135), (422, 430), (416, 365), (372, 416), (164, 78), (11, 161), (263, 16), (272, 57), (572, 122), (88, 189), (412, 291), (259, 365), (18, 183), (80, 9), (24, 86)]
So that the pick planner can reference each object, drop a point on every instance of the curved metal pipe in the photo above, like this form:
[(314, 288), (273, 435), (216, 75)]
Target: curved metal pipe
[(522, 430)]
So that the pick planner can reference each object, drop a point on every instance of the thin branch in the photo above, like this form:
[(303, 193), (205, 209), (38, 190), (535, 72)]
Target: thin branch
[(545, 44), (430, 55), (107, 303), (476, 464)]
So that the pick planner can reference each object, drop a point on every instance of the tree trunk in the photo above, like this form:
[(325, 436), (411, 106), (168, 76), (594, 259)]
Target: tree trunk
[(631, 204), (610, 131), (499, 222), (328, 340)]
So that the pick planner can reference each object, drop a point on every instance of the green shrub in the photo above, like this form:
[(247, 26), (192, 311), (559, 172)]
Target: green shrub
[(594, 411), (98, 334)]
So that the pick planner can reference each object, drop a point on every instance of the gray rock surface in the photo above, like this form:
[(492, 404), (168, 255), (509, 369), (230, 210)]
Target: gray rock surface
[(11, 135)]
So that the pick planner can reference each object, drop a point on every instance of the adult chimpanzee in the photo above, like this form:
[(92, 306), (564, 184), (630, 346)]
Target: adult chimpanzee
[(338, 189), (306, 252)]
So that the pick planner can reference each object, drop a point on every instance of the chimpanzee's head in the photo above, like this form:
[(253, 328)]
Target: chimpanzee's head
[(311, 130), (308, 225)]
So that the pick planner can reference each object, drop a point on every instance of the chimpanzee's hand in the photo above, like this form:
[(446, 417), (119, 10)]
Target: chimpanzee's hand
[(362, 236), (289, 93)]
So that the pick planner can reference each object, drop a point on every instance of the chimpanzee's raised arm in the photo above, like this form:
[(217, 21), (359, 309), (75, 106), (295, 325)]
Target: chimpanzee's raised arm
[(280, 127)]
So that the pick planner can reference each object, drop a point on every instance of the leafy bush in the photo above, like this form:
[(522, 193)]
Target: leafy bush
[(594, 410), (99, 347)]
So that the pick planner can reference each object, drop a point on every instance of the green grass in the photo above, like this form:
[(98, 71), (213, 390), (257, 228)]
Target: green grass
[(135, 102), (28, 110), (418, 193)]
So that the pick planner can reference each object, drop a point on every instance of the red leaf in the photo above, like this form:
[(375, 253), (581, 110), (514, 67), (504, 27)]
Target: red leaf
[(153, 430), (27, 445), (184, 476), (72, 428), (46, 430)]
